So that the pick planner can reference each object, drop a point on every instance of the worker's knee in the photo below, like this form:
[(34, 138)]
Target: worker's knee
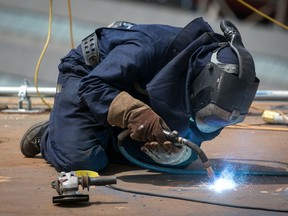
[(93, 159)]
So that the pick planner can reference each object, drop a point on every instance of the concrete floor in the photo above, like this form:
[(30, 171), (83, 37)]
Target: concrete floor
[(25, 182)]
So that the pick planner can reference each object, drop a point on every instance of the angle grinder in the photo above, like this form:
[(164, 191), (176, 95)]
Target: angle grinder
[(67, 185)]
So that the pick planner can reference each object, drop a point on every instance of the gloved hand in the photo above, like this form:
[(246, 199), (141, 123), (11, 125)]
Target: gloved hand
[(144, 124), (168, 153)]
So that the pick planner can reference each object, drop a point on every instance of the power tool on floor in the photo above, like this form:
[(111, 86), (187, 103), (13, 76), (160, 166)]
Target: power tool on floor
[(275, 117), (67, 185)]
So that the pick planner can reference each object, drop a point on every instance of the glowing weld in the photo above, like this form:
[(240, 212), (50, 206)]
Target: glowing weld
[(224, 182)]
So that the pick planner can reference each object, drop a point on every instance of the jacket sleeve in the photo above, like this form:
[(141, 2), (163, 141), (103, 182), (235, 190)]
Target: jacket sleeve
[(121, 68)]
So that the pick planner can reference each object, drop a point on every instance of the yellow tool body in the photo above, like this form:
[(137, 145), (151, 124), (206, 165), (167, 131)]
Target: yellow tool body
[(274, 117)]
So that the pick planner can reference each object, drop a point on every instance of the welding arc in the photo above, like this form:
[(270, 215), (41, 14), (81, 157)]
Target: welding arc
[(194, 200)]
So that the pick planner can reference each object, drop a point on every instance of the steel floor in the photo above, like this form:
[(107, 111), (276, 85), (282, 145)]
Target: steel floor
[(25, 182)]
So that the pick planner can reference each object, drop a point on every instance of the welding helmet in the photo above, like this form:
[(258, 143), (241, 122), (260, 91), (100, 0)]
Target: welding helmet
[(222, 93)]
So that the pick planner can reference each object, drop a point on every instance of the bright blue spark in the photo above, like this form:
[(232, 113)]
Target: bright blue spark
[(224, 182)]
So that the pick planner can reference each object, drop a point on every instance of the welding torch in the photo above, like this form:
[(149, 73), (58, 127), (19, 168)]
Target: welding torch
[(174, 137)]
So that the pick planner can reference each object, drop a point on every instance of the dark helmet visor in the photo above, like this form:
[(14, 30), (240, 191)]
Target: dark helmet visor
[(219, 98)]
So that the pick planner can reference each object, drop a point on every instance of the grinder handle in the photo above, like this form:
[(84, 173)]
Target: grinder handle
[(101, 181)]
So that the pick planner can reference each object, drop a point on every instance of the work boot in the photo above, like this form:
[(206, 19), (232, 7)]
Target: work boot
[(30, 143)]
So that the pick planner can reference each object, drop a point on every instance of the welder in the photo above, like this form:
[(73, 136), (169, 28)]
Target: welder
[(144, 78)]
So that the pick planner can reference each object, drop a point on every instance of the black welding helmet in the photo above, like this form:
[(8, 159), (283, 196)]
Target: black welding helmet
[(222, 93)]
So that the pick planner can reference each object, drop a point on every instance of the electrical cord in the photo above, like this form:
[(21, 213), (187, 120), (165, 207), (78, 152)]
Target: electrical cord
[(36, 74), (70, 24), (41, 56), (263, 14), (193, 199)]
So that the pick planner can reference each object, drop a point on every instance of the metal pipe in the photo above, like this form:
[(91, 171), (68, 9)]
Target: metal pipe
[(273, 95), (261, 95), (30, 91)]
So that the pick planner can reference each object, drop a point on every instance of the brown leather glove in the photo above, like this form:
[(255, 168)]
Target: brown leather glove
[(144, 124)]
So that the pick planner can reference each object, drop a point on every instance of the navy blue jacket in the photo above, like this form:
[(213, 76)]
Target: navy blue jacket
[(160, 59)]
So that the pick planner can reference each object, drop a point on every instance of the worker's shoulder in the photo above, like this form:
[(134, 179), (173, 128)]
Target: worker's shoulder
[(156, 29)]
